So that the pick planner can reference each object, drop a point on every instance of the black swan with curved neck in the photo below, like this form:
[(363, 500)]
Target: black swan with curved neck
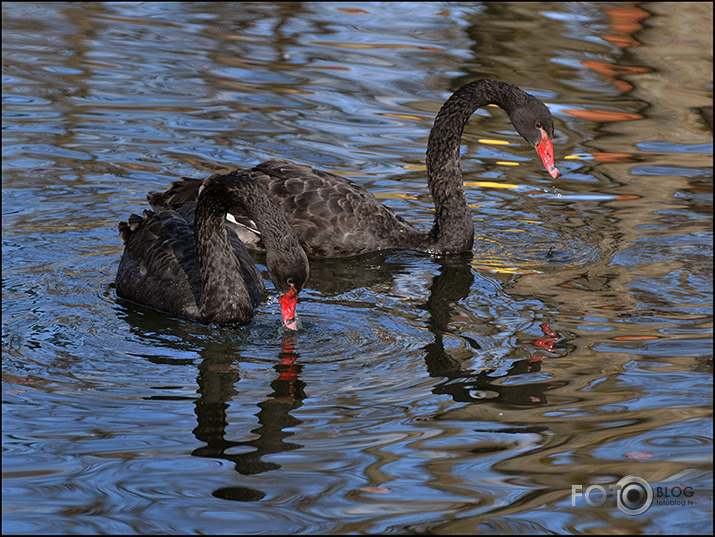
[(190, 264), (335, 217)]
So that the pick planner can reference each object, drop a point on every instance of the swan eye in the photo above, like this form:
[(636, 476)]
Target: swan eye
[(539, 126)]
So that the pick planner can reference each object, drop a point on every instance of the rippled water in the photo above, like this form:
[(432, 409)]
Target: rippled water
[(421, 395)]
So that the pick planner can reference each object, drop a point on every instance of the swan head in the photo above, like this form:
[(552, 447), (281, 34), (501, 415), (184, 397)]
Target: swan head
[(534, 123), (288, 269)]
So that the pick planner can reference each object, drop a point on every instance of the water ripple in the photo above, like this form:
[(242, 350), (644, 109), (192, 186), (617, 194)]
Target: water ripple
[(450, 395)]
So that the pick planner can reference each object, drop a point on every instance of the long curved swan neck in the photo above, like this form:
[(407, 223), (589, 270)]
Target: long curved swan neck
[(453, 231), (224, 295), (286, 260)]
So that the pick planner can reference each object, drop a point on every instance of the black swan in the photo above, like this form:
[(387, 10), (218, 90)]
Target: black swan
[(190, 264), (335, 217)]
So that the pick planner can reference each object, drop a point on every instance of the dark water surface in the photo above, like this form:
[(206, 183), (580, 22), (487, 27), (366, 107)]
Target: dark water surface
[(421, 395)]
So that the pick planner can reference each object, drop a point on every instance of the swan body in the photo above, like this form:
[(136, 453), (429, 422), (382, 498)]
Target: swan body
[(334, 217), (189, 263)]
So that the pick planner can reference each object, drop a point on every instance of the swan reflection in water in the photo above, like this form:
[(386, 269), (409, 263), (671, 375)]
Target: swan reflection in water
[(219, 378), (217, 384), (452, 284)]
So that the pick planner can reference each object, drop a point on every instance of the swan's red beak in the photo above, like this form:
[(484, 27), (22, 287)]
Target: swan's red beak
[(288, 303), (545, 149)]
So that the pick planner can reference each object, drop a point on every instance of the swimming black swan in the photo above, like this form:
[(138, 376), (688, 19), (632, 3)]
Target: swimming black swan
[(188, 262), (335, 217)]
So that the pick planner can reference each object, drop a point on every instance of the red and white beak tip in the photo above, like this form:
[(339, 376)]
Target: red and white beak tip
[(289, 301), (545, 149)]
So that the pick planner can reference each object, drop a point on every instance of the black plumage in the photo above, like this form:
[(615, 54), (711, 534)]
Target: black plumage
[(335, 217), (188, 262)]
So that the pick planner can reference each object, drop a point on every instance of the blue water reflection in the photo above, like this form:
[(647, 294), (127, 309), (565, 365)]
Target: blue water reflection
[(456, 395)]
